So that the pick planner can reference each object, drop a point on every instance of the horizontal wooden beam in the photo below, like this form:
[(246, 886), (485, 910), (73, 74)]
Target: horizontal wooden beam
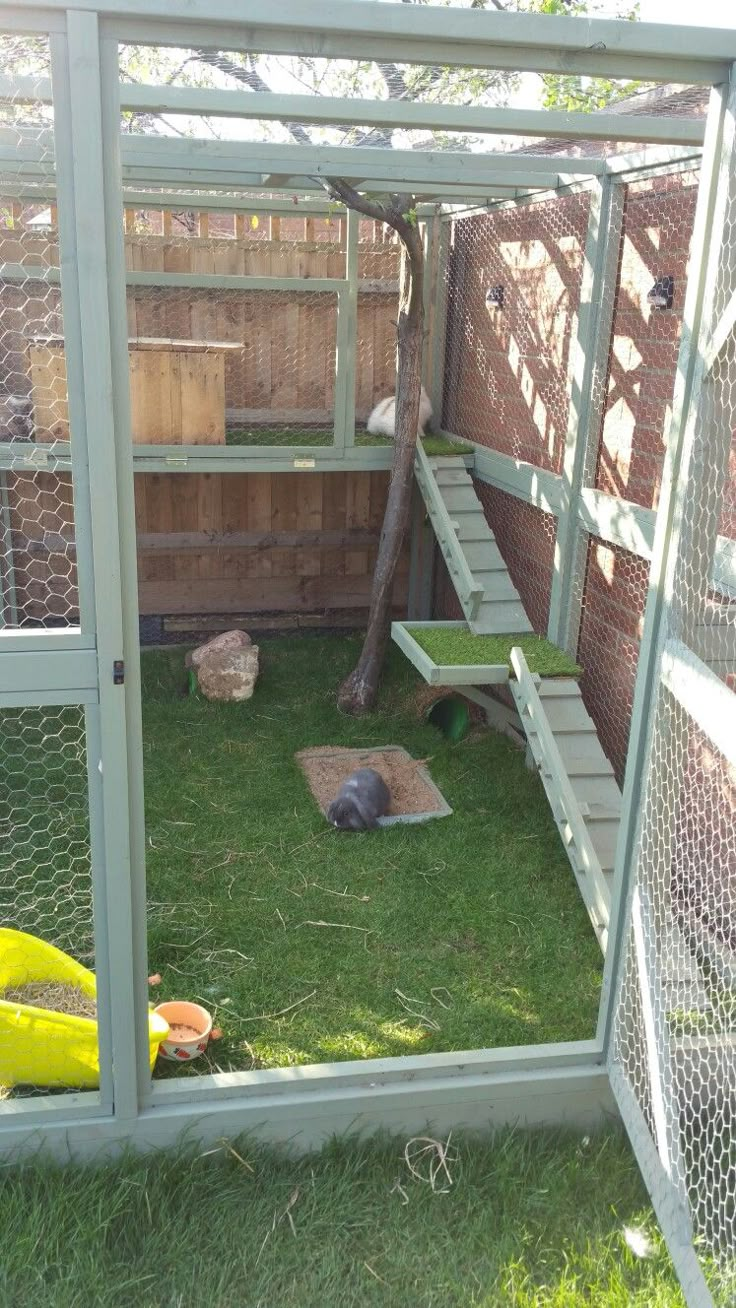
[(200, 156), (323, 110), (20, 273), (617, 521), (70, 670), (704, 696), (525, 481), (466, 37), (400, 166), (256, 541)]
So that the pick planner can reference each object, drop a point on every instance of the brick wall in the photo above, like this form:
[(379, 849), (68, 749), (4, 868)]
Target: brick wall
[(507, 387), (658, 222), (506, 368)]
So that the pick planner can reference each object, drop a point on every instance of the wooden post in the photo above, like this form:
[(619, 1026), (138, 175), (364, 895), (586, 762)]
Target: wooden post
[(421, 561), (309, 229), (347, 336), (240, 226), (166, 222), (588, 372), (434, 362), (204, 223), (274, 227)]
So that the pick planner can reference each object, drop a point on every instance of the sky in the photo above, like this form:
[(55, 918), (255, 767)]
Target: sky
[(704, 13)]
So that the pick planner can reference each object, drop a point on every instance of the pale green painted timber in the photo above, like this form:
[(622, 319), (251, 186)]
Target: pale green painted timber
[(77, 86), (477, 570), (8, 594), (349, 162), (347, 338), (588, 374), (707, 238), (437, 340), (468, 591), (199, 156), (470, 38), (565, 806), (672, 1215), (306, 1114), (133, 943), (525, 481), (451, 674), (331, 110), (49, 670), (705, 697)]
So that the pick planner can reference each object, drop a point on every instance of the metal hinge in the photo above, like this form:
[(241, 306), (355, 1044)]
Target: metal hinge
[(118, 672)]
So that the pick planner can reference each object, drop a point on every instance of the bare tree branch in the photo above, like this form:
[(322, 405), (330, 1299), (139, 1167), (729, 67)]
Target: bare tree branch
[(249, 76)]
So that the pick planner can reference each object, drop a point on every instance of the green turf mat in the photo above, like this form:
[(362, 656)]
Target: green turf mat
[(457, 645), (297, 437)]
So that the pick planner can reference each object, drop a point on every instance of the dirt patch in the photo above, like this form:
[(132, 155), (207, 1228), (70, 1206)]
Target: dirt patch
[(55, 996), (327, 766)]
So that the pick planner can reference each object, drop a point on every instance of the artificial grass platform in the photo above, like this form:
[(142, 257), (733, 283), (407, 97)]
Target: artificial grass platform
[(531, 1220), (455, 935), (434, 446), (448, 646)]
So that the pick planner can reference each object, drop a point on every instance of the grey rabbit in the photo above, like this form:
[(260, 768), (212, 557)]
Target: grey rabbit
[(362, 798)]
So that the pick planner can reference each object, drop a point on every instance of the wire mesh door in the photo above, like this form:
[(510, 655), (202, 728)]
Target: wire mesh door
[(64, 720), (673, 1053)]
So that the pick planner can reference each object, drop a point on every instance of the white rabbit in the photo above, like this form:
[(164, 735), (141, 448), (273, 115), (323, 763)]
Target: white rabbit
[(382, 421)]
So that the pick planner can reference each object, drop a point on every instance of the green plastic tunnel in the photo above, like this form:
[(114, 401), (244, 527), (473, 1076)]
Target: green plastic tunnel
[(451, 716)]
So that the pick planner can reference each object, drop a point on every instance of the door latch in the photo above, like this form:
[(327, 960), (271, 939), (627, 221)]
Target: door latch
[(118, 672)]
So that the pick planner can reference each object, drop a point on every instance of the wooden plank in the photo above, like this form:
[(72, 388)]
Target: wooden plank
[(151, 399), (567, 713), (357, 518), (266, 594), (202, 380), (47, 368), (308, 520)]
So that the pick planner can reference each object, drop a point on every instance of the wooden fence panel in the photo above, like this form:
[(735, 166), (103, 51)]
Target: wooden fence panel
[(250, 543)]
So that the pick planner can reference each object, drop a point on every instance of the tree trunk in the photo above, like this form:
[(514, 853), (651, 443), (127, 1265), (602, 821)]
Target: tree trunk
[(358, 692)]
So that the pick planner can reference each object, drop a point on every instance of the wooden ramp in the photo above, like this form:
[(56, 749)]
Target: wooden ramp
[(489, 599), (578, 779), (576, 774)]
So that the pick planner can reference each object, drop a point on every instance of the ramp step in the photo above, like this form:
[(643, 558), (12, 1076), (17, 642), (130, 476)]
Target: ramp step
[(567, 713), (597, 792), (496, 585), (500, 617), (461, 498), (557, 688), (484, 556)]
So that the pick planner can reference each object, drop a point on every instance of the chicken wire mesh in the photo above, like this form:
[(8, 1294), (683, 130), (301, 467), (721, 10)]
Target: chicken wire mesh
[(38, 585), (45, 886), (232, 367), (378, 307), (658, 216), (513, 290), (674, 1022)]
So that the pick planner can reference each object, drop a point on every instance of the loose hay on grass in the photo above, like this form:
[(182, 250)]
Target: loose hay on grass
[(57, 997), (327, 766)]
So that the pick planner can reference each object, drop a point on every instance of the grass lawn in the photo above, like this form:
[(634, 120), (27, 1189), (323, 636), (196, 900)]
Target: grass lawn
[(533, 1221), (475, 918), (458, 645)]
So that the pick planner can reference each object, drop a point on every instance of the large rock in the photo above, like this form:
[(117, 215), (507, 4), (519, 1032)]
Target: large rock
[(229, 674), (224, 643)]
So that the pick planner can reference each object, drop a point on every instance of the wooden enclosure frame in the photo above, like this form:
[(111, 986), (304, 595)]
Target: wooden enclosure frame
[(553, 1083)]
